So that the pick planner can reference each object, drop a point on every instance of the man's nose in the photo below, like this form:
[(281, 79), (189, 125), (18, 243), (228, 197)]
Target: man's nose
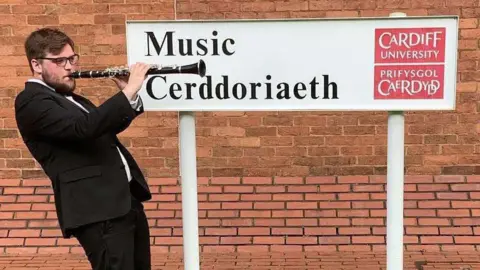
[(68, 66)]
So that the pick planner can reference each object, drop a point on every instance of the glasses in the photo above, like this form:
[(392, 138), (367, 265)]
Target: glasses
[(62, 61)]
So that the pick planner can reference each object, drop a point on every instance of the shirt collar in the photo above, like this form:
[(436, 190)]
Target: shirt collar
[(35, 80)]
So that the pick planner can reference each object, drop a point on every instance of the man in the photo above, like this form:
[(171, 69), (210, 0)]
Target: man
[(98, 186)]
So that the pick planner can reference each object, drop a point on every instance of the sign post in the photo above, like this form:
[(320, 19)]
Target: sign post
[(392, 64), (395, 185), (188, 176)]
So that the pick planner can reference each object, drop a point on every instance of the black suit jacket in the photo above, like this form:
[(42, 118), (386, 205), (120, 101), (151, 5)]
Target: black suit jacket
[(78, 152)]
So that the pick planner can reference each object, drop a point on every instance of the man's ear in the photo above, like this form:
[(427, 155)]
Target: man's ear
[(37, 67)]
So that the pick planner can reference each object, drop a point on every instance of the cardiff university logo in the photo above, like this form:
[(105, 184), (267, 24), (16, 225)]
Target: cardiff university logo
[(409, 63)]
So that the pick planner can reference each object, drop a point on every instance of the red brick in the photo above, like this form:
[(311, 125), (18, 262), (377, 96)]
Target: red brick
[(256, 197), (323, 240), (465, 187), (420, 213), (220, 231), (422, 230), (287, 231), (456, 230), (334, 188), (40, 241), (269, 205), (454, 213), (368, 239), (452, 195), (238, 205), (270, 222), (466, 204), (288, 197), (224, 197), (436, 239), (419, 196), (320, 180), (302, 205), (225, 180), (319, 197), (24, 233), (301, 240), (11, 241), (434, 204), (247, 213), (272, 240), (302, 222), (239, 189), (367, 221), (335, 205), (357, 196), (257, 180), (354, 231), (320, 231), (235, 240)]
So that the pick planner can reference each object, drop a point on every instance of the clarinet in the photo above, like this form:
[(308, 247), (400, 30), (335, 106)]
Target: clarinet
[(198, 68)]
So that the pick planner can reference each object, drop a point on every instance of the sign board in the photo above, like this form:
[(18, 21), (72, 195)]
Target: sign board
[(386, 64)]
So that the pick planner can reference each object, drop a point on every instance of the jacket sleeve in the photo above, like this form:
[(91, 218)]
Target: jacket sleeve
[(137, 107), (41, 115)]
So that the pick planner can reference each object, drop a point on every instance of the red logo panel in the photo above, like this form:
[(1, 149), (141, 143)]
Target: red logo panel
[(409, 63), (409, 82)]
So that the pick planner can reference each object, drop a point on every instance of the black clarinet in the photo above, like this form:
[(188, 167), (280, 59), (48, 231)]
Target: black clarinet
[(198, 68)]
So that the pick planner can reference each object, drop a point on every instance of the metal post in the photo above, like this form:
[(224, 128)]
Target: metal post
[(395, 180), (188, 174), (395, 188)]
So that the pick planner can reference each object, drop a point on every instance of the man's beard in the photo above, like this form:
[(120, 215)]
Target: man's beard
[(57, 83)]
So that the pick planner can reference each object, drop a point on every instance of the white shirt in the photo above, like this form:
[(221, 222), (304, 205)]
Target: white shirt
[(136, 105)]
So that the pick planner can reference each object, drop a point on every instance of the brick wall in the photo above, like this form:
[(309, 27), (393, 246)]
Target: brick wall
[(268, 181)]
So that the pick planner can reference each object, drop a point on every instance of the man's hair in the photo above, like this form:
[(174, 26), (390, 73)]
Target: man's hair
[(45, 40)]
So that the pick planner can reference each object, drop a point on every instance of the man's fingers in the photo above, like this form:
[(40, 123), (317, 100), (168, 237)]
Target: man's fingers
[(139, 67)]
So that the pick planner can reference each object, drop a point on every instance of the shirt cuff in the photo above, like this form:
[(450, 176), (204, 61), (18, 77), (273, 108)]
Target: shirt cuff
[(136, 103)]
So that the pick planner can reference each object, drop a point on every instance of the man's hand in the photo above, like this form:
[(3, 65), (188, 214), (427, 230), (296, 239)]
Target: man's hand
[(137, 75)]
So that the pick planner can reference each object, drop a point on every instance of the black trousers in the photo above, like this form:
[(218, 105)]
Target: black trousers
[(118, 244)]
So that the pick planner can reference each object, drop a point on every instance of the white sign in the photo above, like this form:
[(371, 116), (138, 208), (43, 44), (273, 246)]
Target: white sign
[(387, 64)]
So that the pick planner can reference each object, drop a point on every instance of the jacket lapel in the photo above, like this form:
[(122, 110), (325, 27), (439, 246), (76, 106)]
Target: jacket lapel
[(85, 102), (70, 103), (63, 99)]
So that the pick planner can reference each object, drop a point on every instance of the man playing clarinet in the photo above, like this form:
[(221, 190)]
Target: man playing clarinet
[(98, 186)]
